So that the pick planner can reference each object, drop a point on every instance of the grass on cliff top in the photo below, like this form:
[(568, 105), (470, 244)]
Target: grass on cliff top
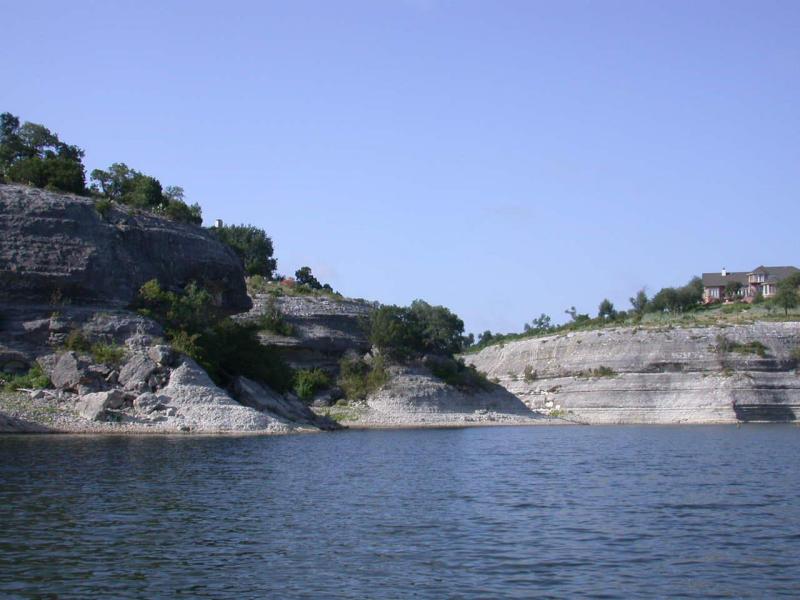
[(716, 315), (260, 285)]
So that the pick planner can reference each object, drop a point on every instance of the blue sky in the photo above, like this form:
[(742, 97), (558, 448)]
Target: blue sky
[(502, 158)]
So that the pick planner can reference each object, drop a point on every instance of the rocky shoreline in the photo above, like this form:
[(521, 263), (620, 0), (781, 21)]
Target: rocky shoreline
[(70, 278)]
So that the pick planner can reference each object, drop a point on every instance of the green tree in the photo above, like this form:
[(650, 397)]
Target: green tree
[(407, 332), (145, 193), (32, 154), (639, 302), (174, 193), (606, 309), (252, 245), (303, 276), (114, 183), (181, 212), (539, 324), (439, 330), (122, 184), (787, 295), (732, 289), (11, 147), (393, 332), (485, 338), (676, 300)]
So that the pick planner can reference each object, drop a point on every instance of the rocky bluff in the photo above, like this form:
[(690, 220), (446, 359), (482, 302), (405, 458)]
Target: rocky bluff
[(68, 270), (719, 374), (58, 246)]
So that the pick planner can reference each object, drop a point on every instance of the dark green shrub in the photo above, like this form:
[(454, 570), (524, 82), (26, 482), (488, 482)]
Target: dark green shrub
[(177, 210), (103, 206), (724, 345), (272, 320), (190, 310), (603, 371), (402, 333), (529, 375), (458, 374), (358, 379), (308, 381), (108, 354), (252, 245), (31, 154), (34, 379), (258, 284), (77, 342), (754, 347), (223, 347)]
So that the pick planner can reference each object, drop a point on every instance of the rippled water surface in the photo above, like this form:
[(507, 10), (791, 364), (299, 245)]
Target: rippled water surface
[(472, 513)]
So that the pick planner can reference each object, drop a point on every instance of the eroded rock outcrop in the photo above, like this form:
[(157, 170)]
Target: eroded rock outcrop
[(632, 375), (67, 277), (57, 247), (323, 328)]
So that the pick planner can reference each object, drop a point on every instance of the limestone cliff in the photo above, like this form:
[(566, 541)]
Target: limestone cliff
[(631, 375), (57, 246), (68, 270)]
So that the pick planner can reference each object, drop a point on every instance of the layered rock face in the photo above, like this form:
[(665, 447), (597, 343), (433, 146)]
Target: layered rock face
[(323, 329), (58, 247), (631, 375), (68, 271)]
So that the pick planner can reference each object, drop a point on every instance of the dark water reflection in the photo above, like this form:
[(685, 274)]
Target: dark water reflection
[(478, 513)]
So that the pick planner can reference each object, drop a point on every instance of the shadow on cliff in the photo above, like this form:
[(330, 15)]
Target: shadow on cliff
[(773, 413), (497, 398)]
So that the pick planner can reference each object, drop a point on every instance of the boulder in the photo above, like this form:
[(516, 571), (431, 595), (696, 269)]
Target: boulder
[(161, 355), (148, 403), (93, 406), (326, 398), (137, 370), (69, 371)]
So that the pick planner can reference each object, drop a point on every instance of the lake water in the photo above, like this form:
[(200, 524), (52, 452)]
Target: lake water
[(607, 512)]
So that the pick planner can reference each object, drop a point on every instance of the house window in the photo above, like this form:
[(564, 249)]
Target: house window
[(769, 290), (713, 292)]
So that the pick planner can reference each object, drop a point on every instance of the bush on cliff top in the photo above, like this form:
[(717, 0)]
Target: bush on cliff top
[(407, 332), (252, 245), (120, 183), (32, 154)]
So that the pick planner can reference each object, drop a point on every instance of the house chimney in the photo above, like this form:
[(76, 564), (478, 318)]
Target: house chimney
[(218, 223), (724, 272)]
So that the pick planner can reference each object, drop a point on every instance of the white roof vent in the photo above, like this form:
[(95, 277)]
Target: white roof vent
[(724, 272)]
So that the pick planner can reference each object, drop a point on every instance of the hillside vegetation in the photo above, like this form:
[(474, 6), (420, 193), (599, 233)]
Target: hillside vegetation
[(670, 307)]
